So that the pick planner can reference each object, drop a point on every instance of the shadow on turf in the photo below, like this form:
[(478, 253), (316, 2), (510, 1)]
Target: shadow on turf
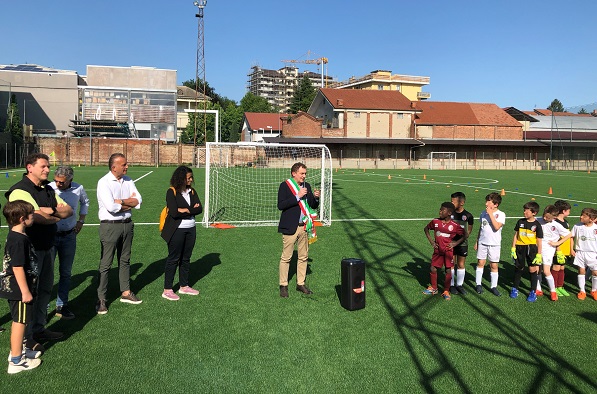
[(418, 330), (83, 305)]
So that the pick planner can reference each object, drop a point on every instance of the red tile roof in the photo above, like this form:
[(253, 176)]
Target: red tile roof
[(387, 100), (449, 113), (259, 120)]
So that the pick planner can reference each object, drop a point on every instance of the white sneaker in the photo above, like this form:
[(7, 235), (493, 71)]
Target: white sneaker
[(23, 365)]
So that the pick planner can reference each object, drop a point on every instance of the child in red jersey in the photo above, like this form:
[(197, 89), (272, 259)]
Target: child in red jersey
[(447, 235)]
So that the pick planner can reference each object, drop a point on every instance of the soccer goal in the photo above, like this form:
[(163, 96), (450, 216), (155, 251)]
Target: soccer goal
[(442, 160), (242, 181)]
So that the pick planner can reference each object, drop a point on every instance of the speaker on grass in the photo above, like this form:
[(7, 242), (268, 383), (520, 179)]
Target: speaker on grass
[(352, 292)]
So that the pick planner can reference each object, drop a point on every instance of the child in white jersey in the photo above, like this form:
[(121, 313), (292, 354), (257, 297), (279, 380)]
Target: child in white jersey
[(554, 234), (489, 241), (585, 250)]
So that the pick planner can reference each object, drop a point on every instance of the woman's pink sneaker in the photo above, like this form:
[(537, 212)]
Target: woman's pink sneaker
[(188, 290), (170, 295)]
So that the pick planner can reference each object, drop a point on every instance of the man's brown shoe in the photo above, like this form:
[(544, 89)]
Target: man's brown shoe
[(284, 291), (303, 289)]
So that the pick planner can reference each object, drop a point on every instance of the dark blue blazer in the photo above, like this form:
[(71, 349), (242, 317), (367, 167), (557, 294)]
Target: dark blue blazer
[(291, 212)]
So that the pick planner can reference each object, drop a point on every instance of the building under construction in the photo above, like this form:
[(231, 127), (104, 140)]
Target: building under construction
[(278, 86)]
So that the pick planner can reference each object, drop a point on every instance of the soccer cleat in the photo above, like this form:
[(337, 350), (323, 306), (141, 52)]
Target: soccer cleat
[(461, 290), (539, 293), (430, 291), (532, 296), (479, 289), (188, 290), (554, 296), (558, 292), (446, 295), (23, 365), (514, 292), (594, 294), (495, 291), (453, 290), (170, 295), (582, 295), (563, 292)]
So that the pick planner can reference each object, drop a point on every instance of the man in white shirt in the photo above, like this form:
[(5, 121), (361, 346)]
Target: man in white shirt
[(116, 196), (65, 243)]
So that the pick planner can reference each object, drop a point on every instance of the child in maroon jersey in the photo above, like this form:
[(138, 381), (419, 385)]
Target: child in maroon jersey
[(447, 234)]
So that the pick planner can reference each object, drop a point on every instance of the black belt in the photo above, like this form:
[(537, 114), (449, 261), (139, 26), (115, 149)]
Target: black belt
[(127, 220), (301, 224), (63, 233)]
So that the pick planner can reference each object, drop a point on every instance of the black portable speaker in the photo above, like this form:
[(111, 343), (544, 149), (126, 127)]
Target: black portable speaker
[(352, 292)]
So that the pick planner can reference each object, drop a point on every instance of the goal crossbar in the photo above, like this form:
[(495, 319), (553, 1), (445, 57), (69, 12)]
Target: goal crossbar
[(242, 181)]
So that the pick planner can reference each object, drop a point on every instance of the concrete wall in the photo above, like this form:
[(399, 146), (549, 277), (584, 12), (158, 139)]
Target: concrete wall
[(131, 77), (46, 100)]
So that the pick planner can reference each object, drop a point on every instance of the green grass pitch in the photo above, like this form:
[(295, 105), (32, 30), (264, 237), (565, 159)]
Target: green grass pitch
[(240, 336)]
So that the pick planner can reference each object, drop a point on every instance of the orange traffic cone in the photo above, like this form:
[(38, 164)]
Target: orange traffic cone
[(503, 193), (364, 170), (424, 176), (389, 177), (550, 191)]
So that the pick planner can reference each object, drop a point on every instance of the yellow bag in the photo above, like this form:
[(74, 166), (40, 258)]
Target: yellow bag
[(164, 213)]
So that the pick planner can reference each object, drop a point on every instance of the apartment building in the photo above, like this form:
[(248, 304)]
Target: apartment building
[(409, 85)]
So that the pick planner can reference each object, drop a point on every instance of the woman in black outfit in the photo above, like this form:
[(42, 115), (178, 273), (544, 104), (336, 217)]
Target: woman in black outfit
[(180, 231)]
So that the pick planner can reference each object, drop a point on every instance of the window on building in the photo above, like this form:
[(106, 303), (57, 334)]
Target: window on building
[(357, 114), (400, 116), (379, 87)]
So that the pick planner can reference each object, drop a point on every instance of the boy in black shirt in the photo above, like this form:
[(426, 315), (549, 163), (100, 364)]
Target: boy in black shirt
[(18, 281)]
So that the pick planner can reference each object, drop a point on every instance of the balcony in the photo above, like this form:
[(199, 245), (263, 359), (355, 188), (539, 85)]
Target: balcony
[(423, 95)]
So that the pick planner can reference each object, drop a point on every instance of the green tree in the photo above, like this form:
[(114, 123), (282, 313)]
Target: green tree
[(13, 120), (556, 106), (209, 92), (253, 103), (303, 95), (583, 111)]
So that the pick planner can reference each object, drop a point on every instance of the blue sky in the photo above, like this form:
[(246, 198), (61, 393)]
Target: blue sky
[(511, 53)]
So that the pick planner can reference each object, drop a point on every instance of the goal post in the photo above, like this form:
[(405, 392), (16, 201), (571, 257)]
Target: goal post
[(442, 160), (242, 181)]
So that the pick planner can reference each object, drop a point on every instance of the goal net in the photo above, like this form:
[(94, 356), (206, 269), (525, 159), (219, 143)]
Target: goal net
[(442, 160), (242, 181)]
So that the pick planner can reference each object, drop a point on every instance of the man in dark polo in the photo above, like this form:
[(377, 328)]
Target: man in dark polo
[(49, 209)]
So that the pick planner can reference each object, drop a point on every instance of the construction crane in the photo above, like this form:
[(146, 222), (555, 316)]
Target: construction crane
[(318, 61)]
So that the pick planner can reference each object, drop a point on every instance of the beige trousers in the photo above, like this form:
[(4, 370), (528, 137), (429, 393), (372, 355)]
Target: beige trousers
[(302, 247)]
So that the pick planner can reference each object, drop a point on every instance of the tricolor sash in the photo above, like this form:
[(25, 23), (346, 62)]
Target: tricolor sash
[(306, 210)]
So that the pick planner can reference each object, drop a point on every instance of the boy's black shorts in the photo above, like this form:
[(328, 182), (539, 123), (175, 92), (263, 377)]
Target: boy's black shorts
[(525, 254), (461, 250), (20, 312)]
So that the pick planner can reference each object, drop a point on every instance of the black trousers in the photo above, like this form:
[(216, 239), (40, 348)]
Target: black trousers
[(180, 249)]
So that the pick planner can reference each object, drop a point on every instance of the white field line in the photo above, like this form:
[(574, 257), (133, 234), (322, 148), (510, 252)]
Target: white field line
[(487, 180)]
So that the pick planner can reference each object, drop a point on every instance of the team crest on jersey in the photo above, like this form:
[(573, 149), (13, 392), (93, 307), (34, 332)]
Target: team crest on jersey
[(533, 228), (450, 227), (553, 228), (496, 215), (464, 217)]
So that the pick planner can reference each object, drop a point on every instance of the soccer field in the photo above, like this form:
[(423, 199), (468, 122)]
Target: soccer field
[(240, 336)]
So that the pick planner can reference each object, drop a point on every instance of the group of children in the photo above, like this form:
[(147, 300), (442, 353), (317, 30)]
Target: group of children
[(545, 244)]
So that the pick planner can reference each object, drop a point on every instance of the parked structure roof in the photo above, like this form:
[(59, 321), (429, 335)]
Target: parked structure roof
[(259, 120)]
